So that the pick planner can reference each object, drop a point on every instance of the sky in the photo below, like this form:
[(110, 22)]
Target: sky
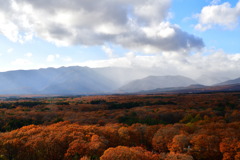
[(185, 37)]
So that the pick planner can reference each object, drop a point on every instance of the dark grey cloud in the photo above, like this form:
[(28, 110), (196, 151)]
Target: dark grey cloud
[(178, 40), (134, 24)]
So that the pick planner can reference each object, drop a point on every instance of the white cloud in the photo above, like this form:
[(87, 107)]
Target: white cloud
[(130, 55), (10, 50), (163, 30), (214, 2), (152, 11), (52, 57), (218, 15), (216, 64), (67, 59), (80, 22), (55, 57), (21, 62), (15, 25), (29, 54), (108, 51)]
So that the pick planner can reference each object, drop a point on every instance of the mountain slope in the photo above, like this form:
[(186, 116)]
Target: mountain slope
[(79, 80), (121, 76), (229, 82), (194, 89), (211, 79), (64, 80), (154, 82)]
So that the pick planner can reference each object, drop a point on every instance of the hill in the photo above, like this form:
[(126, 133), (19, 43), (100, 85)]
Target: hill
[(229, 82), (154, 82)]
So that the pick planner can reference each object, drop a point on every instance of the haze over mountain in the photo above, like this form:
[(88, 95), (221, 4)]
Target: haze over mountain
[(212, 78), (154, 82), (122, 76), (64, 80), (84, 80), (229, 82)]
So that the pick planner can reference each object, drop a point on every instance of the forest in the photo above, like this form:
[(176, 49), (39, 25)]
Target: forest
[(121, 127)]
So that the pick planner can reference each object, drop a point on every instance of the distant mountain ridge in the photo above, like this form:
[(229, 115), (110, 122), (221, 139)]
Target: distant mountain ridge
[(154, 82), (229, 82), (194, 89), (78, 80), (64, 80)]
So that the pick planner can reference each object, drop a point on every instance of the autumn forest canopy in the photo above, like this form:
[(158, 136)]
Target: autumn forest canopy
[(118, 127)]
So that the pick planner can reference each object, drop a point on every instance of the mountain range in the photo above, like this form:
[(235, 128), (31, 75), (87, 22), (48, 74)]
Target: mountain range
[(230, 82), (78, 80), (153, 82), (64, 80)]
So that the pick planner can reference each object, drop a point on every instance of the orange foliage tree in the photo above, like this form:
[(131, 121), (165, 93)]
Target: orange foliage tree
[(179, 144), (229, 147), (163, 137), (126, 153), (205, 147)]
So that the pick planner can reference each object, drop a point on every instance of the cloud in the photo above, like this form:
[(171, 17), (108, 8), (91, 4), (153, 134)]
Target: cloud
[(67, 59), (52, 57), (149, 11), (214, 65), (21, 62), (218, 15), (29, 54), (10, 50), (55, 57), (108, 51), (214, 2), (161, 37), (80, 22), (14, 24)]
